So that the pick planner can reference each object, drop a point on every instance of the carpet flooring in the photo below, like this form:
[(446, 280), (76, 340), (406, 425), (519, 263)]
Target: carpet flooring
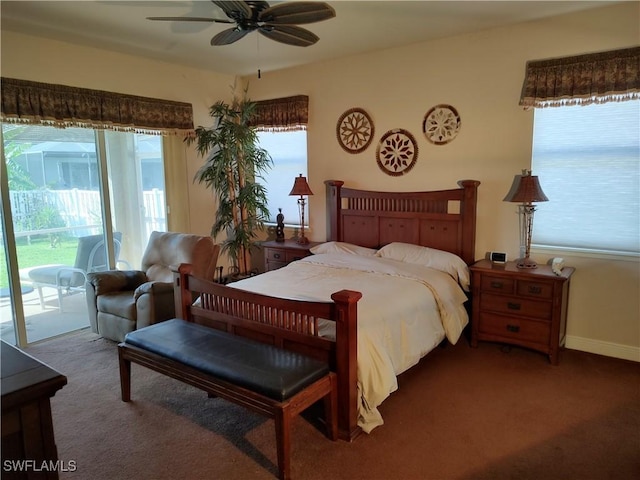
[(490, 412)]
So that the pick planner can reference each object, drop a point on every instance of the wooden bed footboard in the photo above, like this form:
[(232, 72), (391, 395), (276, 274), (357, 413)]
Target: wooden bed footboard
[(289, 324)]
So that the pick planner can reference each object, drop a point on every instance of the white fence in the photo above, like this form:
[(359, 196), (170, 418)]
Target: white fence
[(69, 210)]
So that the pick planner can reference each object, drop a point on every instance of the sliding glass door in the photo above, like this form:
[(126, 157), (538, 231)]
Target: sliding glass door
[(7, 304), (79, 201), (136, 190)]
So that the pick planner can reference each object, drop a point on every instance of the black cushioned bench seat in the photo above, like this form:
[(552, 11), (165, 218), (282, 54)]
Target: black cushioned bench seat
[(268, 380), (265, 369)]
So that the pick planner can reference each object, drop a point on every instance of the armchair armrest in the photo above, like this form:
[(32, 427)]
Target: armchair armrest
[(154, 303), (157, 288), (100, 283), (116, 280)]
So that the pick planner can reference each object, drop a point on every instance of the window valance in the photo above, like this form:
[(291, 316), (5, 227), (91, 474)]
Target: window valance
[(583, 79), (281, 114), (63, 106)]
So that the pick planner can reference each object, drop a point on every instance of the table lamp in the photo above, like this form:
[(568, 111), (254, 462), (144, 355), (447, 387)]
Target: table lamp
[(525, 190), (301, 187)]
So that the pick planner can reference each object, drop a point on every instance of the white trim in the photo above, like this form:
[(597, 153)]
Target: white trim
[(616, 350), (587, 253)]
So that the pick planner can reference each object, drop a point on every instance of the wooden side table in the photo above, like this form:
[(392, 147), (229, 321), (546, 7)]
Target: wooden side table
[(524, 307), (279, 254), (27, 426)]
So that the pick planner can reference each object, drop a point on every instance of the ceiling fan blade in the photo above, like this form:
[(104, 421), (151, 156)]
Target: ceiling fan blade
[(293, 13), (228, 36), (289, 34), (234, 9), (189, 19)]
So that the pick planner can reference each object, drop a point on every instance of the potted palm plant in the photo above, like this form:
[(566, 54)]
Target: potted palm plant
[(233, 163)]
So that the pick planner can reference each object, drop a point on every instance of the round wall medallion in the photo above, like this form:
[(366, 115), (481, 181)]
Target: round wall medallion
[(397, 152), (441, 124), (354, 130)]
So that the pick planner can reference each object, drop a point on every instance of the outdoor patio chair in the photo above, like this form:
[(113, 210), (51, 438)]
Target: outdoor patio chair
[(90, 257), (120, 301)]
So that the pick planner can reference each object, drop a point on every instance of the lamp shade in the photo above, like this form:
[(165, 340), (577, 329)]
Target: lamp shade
[(525, 189), (301, 187)]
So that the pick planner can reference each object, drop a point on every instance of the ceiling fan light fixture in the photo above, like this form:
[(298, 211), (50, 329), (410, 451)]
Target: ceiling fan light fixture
[(228, 36), (235, 8)]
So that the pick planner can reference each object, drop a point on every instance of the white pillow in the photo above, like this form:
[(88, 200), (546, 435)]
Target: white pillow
[(342, 247), (429, 257)]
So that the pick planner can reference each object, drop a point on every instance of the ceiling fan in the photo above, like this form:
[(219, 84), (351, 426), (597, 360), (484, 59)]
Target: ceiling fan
[(277, 23)]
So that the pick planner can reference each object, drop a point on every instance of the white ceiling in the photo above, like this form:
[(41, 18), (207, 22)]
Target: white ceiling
[(359, 26)]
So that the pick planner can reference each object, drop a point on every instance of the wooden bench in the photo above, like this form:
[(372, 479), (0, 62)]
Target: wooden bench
[(268, 380)]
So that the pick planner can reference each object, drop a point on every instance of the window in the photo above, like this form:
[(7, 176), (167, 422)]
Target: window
[(588, 161), (288, 151)]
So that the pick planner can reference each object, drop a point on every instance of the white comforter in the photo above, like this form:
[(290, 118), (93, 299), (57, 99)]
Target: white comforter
[(405, 311)]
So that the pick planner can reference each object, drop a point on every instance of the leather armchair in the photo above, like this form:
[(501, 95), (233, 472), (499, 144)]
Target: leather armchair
[(121, 301)]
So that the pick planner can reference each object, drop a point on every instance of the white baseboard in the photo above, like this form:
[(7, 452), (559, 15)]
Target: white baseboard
[(625, 352)]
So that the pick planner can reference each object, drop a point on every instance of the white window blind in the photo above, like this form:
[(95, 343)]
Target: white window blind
[(288, 150), (588, 162)]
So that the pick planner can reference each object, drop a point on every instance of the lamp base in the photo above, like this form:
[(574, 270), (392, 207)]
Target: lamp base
[(303, 240), (526, 262)]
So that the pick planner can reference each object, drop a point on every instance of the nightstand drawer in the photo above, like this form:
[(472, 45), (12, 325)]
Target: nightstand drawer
[(515, 329), (279, 254), (497, 284), (516, 306), (284, 255), (276, 254), (535, 289)]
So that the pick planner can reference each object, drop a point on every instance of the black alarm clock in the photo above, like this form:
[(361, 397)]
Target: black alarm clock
[(498, 257)]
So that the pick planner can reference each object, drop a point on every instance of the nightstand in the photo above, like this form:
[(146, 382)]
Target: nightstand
[(279, 254), (524, 307)]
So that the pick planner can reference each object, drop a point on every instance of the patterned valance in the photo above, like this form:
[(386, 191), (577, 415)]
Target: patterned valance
[(62, 106), (583, 79), (281, 114)]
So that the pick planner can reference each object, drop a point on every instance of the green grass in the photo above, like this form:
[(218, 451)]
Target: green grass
[(41, 252)]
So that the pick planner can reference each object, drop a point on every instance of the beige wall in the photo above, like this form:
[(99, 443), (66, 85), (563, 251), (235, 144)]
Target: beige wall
[(479, 74)]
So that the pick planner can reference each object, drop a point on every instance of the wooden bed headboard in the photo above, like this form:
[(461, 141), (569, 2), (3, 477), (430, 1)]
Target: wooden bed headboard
[(443, 219)]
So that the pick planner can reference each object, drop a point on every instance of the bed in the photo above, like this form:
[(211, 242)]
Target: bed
[(385, 289)]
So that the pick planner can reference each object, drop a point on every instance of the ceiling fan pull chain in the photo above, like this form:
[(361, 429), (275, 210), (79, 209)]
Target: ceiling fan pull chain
[(258, 55)]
